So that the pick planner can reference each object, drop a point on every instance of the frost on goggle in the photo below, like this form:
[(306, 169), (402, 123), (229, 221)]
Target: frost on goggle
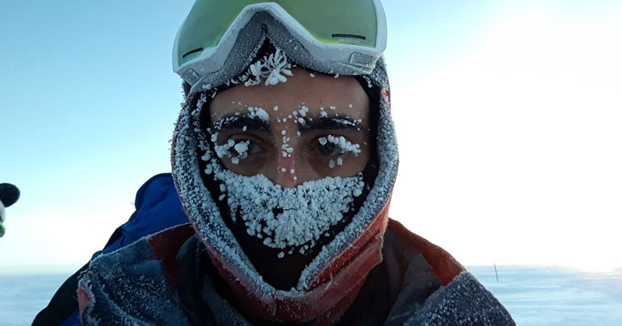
[(272, 68)]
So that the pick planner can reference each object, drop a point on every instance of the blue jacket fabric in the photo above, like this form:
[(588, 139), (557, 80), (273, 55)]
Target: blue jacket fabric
[(157, 208), (403, 290)]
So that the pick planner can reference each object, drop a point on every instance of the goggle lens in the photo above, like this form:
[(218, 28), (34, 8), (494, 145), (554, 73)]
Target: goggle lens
[(351, 22)]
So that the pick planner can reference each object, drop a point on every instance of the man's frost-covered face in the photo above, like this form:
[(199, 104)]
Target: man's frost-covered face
[(293, 154), (308, 128)]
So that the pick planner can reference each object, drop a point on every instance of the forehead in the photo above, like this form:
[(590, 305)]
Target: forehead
[(304, 93)]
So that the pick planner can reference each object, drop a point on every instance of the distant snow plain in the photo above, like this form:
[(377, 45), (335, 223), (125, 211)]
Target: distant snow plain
[(534, 295)]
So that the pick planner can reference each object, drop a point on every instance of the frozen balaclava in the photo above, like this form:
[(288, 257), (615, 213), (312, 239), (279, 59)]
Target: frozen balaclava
[(282, 229), (297, 254), (279, 244)]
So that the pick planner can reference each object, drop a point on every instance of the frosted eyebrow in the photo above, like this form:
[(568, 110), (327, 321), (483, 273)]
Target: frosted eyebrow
[(241, 121), (330, 123)]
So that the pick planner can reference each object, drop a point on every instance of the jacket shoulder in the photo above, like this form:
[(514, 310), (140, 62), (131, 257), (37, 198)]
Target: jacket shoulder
[(445, 266), (461, 299), (135, 285), (463, 302)]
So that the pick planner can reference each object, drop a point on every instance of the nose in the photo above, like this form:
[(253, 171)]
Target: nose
[(286, 172)]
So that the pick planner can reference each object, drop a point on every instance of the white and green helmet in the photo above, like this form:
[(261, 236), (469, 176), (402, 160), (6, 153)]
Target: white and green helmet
[(219, 38)]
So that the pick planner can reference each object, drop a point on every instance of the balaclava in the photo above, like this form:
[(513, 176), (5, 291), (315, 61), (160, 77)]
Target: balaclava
[(246, 222)]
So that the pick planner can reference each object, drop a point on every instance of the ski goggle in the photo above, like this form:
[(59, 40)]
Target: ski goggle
[(218, 38)]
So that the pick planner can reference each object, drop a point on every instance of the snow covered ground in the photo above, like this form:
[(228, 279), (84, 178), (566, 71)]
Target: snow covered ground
[(556, 296), (534, 295)]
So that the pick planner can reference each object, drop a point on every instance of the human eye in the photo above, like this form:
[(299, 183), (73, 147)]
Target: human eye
[(337, 145), (238, 149), (330, 145)]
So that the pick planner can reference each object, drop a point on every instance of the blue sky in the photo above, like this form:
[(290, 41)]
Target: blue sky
[(507, 113)]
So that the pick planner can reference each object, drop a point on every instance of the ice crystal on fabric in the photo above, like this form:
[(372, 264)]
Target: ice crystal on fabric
[(289, 217), (272, 68)]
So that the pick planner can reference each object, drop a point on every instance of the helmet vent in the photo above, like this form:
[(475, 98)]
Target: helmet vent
[(191, 52), (358, 37)]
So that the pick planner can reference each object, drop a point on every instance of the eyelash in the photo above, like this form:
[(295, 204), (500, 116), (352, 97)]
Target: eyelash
[(329, 148), (237, 149), (339, 145)]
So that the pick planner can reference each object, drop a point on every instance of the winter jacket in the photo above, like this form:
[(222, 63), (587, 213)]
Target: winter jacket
[(168, 279)]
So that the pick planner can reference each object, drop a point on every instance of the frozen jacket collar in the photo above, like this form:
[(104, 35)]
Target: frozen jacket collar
[(143, 284)]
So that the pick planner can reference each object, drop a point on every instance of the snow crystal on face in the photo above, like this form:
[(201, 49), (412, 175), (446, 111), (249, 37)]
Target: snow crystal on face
[(323, 114), (286, 149), (290, 217), (259, 113), (303, 111), (344, 145), (275, 108), (224, 150), (242, 148), (331, 164)]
